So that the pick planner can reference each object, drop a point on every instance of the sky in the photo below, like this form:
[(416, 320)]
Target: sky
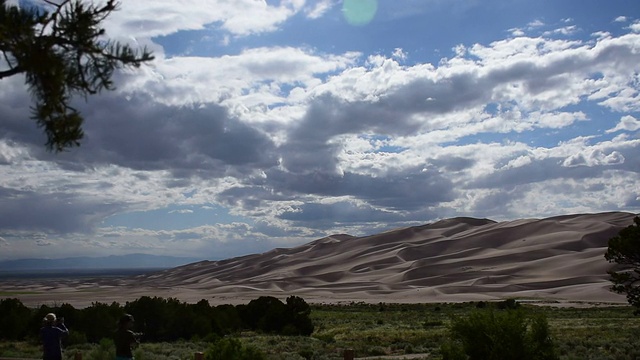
[(273, 123)]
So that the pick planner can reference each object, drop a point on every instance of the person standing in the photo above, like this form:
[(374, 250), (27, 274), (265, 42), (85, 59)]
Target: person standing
[(51, 336), (125, 338)]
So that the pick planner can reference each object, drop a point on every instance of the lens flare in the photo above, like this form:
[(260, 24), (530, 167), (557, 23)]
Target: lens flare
[(359, 12)]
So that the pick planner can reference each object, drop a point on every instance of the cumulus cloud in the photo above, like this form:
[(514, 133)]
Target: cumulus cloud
[(183, 211), (627, 123), (44, 243), (255, 77), (318, 9), (535, 24), (239, 18), (566, 30), (399, 54), (594, 158)]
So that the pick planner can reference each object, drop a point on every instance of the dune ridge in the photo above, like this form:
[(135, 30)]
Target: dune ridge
[(558, 258), (460, 259)]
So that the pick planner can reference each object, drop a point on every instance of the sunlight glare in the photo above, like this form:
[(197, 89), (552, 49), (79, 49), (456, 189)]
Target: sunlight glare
[(359, 12)]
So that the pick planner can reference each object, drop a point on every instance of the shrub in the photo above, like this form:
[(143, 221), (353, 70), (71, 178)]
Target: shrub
[(104, 351), (500, 335), (508, 304), (270, 315), (307, 354), (76, 337), (232, 349), (453, 350)]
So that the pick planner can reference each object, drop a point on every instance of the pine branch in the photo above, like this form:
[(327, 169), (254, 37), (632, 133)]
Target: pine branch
[(62, 53), (14, 71)]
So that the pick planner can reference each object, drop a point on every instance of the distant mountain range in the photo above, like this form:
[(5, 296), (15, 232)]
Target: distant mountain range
[(131, 261)]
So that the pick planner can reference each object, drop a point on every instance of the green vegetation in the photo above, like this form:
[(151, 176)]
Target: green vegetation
[(601, 333), (510, 334), (624, 250), (233, 349)]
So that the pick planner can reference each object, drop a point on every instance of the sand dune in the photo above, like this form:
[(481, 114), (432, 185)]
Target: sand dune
[(460, 259)]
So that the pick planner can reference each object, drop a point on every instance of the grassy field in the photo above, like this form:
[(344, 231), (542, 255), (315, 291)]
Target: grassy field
[(390, 329)]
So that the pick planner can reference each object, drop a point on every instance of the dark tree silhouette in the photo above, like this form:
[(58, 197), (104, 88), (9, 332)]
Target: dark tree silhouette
[(624, 249), (62, 51), (162, 319), (14, 319)]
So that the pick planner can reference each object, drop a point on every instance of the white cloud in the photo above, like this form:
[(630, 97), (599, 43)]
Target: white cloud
[(182, 211), (620, 19), (594, 158), (601, 34), (627, 123), (399, 54), (239, 17), (320, 8), (252, 77), (567, 30), (535, 24), (517, 32)]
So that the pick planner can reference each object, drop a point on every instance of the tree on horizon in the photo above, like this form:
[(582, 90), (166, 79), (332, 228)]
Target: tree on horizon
[(62, 50)]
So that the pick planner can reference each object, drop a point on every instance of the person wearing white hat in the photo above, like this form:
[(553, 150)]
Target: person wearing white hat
[(51, 336)]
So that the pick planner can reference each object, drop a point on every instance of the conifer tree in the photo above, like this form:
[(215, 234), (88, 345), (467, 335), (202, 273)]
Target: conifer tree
[(624, 250), (62, 51)]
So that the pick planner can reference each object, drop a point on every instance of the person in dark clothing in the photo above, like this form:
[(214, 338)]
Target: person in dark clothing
[(51, 336), (125, 339)]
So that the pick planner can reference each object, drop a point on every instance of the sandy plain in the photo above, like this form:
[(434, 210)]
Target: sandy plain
[(558, 260)]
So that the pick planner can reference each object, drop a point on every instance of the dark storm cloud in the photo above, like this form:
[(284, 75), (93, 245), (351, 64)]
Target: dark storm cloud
[(15, 114), (271, 231), (452, 163), (252, 197), (309, 149), (326, 216), (537, 171), (410, 190), (55, 212), (188, 141), (498, 203), (391, 114)]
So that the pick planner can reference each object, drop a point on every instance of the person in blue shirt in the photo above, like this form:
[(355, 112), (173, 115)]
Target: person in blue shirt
[(51, 335)]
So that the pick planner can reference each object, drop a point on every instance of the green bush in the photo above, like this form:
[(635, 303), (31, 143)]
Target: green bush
[(232, 349), (104, 351), (268, 314), (76, 337), (499, 335), (453, 350)]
